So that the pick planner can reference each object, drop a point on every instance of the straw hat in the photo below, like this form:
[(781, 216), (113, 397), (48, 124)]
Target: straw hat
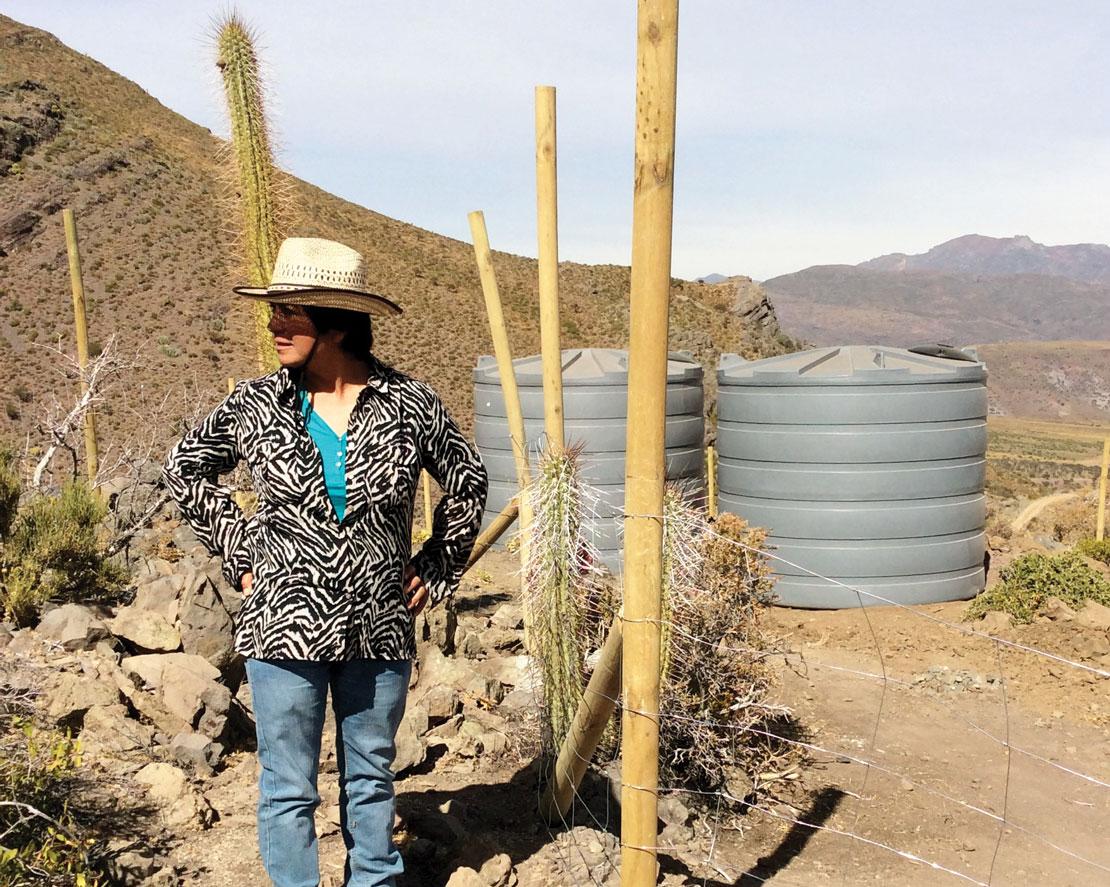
[(315, 271)]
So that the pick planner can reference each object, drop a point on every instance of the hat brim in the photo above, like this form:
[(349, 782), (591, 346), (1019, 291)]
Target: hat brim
[(324, 297)]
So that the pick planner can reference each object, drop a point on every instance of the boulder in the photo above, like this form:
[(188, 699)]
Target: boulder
[(509, 617), (438, 625), (498, 871), (441, 702), (1056, 610), (145, 630), (206, 627), (1094, 615), (466, 877), (187, 688), (435, 668), (107, 728), (501, 640), (513, 671), (198, 750), (74, 626), (160, 595), (71, 696), (168, 788)]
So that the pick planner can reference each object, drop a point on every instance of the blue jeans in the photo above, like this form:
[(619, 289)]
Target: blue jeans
[(368, 698)]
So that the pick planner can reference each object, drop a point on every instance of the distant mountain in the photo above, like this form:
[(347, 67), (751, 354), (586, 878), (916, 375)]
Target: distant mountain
[(713, 278), (971, 289), (998, 256)]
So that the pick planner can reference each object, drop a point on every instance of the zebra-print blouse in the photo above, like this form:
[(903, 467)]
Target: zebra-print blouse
[(325, 589)]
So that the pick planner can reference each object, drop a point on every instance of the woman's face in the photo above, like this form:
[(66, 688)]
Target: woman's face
[(293, 332)]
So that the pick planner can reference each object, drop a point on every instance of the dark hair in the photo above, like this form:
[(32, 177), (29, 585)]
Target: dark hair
[(358, 339)]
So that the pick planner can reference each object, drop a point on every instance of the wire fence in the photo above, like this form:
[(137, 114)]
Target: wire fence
[(1046, 845)]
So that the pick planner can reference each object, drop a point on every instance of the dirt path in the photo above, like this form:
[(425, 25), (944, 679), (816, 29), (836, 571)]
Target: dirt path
[(1035, 507)]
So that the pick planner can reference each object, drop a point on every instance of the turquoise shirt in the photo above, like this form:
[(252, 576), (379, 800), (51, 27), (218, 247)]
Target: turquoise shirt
[(333, 451)]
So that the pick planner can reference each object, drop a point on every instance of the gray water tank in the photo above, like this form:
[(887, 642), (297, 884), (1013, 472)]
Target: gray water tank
[(595, 413), (866, 464)]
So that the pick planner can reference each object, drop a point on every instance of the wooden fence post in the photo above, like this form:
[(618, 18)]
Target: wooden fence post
[(652, 208), (547, 229), (1100, 532), (81, 326), (503, 351)]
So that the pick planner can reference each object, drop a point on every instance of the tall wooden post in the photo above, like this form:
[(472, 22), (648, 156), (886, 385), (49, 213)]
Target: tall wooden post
[(653, 202), (711, 479), (1100, 532), (81, 326), (547, 229), (504, 354)]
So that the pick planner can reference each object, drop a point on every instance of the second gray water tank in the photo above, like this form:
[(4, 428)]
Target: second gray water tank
[(866, 464), (595, 413)]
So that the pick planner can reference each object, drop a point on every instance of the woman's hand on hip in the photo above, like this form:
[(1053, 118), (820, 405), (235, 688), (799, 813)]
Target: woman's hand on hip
[(246, 581), (416, 592)]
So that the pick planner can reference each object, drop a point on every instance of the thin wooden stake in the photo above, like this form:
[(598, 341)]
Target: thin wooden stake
[(711, 476), (594, 711), (230, 384), (501, 348), (547, 229), (652, 207), (81, 326), (427, 502), (494, 532), (1100, 533)]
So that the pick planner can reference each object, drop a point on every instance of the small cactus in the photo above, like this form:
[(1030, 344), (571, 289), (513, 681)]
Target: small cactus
[(255, 182)]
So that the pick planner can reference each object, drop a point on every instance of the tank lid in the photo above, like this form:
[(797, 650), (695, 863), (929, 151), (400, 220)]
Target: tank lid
[(587, 366), (848, 365)]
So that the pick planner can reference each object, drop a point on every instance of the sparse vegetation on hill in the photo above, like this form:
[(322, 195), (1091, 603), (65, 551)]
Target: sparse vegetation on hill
[(145, 184)]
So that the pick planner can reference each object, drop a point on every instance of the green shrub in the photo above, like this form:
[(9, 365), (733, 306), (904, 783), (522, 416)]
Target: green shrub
[(9, 491), (1028, 582), (52, 553), (40, 776), (1098, 549)]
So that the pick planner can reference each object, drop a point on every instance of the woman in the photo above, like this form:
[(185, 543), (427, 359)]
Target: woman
[(335, 441)]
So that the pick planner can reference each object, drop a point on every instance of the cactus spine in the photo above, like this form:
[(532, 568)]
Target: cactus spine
[(254, 163)]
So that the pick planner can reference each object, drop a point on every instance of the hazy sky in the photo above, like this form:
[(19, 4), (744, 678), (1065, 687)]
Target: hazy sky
[(808, 133)]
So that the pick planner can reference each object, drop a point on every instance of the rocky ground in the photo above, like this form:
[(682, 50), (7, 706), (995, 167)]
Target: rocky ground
[(159, 701)]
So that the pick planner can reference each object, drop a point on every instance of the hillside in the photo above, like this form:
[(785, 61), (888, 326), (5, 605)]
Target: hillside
[(976, 254), (1050, 381), (148, 189), (833, 304)]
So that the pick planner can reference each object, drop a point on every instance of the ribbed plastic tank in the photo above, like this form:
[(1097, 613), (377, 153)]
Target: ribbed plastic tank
[(595, 413), (866, 464)]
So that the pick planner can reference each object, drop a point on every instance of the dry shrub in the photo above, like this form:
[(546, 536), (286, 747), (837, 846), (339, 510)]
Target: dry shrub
[(717, 682)]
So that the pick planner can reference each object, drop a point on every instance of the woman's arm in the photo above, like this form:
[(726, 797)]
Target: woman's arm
[(191, 473), (457, 468)]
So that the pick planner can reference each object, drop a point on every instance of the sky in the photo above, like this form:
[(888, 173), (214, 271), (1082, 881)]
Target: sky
[(808, 132)]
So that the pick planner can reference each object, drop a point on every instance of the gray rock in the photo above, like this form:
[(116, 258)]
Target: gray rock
[(71, 696), (498, 871), (145, 630), (501, 640), (441, 702), (160, 595), (5, 636), (438, 625), (206, 627), (74, 626), (187, 688), (466, 877), (198, 750), (108, 728), (509, 617), (168, 788), (435, 668), (411, 747)]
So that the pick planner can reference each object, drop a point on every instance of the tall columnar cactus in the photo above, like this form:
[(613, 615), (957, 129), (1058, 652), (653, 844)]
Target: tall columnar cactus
[(255, 184), (560, 581)]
